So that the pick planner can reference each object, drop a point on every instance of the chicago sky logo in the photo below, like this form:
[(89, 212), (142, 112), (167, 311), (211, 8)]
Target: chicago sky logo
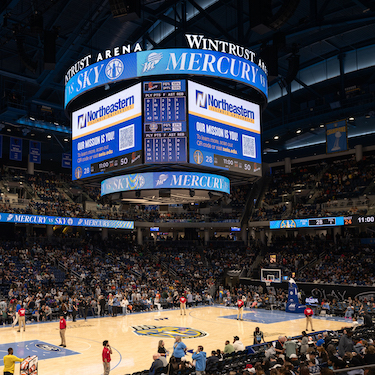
[(114, 69), (162, 179), (201, 99), (152, 59), (82, 122)]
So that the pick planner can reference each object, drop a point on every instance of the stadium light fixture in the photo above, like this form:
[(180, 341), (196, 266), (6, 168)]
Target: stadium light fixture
[(276, 137), (298, 131), (351, 118), (49, 136), (321, 125)]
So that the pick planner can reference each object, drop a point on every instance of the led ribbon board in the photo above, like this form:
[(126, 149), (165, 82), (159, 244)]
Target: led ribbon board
[(166, 62), (165, 180), (307, 223), (66, 221)]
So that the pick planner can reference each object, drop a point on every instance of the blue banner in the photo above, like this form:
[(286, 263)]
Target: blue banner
[(167, 62), (66, 160), (66, 221), (166, 180), (15, 150), (35, 153), (336, 136)]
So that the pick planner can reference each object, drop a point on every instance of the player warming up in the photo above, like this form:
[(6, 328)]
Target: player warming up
[(309, 313), (240, 305), (183, 305)]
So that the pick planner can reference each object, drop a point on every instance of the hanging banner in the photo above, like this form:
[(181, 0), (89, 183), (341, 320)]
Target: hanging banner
[(66, 161), (35, 152), (15, 150), (336, 136)]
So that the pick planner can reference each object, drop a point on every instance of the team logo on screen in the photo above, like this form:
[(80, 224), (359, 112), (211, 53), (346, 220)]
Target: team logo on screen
[(152, 59), (201, 99), (198, 156), (288, 224), (82, 123), (114, 69), (78, 173), (169, 332)]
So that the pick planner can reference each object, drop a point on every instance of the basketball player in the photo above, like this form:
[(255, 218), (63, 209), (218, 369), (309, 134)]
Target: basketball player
[(309, 313), (240, 304), (183, 305)]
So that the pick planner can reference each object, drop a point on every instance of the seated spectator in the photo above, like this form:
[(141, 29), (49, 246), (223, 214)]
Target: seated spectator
[(156, 364), (369, 357), (228, 349), (237, 344), (211, 361)]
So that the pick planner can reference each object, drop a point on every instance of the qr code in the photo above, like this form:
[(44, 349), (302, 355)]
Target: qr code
[(248, 146), (126, 138)]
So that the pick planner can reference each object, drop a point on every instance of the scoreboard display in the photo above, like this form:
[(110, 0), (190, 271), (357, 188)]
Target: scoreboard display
[(164, 122)]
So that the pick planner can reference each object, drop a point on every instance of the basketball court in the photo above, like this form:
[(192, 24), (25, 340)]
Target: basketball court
[(134, 338)]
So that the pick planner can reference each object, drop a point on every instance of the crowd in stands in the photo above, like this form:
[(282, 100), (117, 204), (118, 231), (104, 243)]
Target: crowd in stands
[(313, 191)]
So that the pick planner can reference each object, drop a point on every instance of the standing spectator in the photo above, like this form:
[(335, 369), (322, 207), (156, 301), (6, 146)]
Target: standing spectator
[(345, 343), (179, 349), (18, 306), (200, 360), (183, 305), (304, 343), (21, 319), (9, 361), (163, 353), (101, 306), (309, 313), (62, 330), (74, 309), (237, 344), (240, 304), (106, 356), (290, 348)]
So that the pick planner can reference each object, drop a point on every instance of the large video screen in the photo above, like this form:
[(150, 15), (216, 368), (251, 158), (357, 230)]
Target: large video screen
[(164, 123), (224, 131), (107, 135)]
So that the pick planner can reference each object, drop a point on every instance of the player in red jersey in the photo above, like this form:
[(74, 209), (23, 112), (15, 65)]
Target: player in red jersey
[(309, 313), (21, 319), (240, 305), (182, 305)]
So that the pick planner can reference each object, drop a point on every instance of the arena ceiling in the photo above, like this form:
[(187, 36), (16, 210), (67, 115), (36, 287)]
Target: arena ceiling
[(329, 41)]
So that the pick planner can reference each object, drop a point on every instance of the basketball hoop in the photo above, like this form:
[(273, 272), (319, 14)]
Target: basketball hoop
[(268, 282)]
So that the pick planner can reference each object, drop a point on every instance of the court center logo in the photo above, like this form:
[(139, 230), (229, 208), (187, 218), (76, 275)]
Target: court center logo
[(114, 69), (168, 332), (48, 347)]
